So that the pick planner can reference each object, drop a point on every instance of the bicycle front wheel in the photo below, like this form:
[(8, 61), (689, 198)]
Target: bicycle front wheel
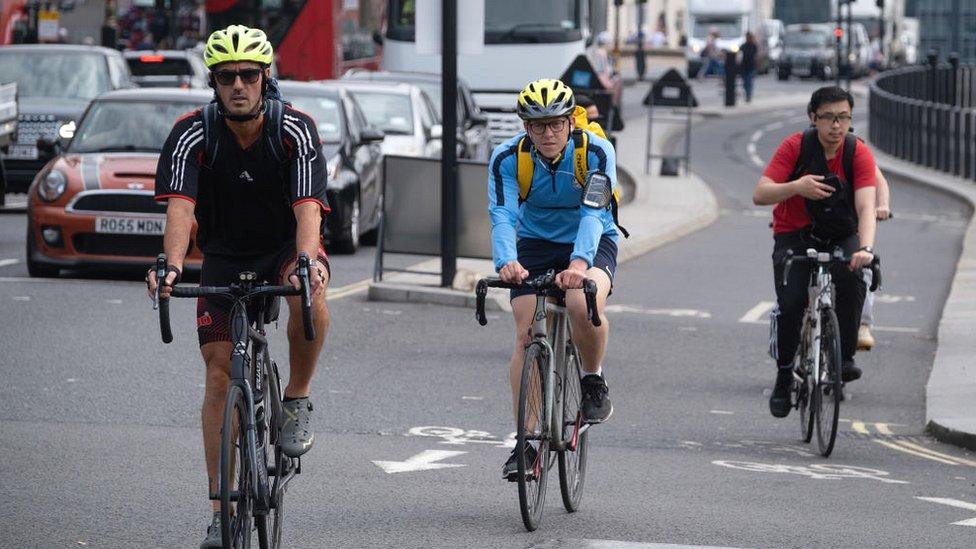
[(803, 387), (235, 473), (532, 437), (828, 387), (572, 460)]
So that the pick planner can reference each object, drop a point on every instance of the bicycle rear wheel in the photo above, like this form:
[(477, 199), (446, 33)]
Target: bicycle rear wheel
[(828, 387), (532, 429), (572, 461), (235, 473)]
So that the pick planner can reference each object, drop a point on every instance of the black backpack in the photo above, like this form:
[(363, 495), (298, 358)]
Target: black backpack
[(834, 217)]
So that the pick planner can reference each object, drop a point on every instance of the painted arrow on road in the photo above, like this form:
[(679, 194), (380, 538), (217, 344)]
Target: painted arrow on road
[(956, 503), (424, 461)]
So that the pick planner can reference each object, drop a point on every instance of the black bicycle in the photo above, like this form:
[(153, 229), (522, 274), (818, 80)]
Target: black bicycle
[(817, 381), (549, 398), (250, 450)]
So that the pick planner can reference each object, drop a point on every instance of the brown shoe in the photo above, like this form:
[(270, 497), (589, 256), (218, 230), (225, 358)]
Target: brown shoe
[(865, 341)]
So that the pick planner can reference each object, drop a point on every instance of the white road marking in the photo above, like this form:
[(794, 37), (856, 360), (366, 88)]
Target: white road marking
[(896, 329), (888, 298), (8, 262), (818, 471), (756, 136), (955, 503), (751, 148), (773, 126), (456, 436), (721, 412), (21, 298), (472, 398), (114, 301), (660, 312), (424, 461), (758, 314)]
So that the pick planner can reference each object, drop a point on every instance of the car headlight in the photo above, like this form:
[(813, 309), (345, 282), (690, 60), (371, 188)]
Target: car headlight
[(696, 48), (67, 130), (52, 186), (734, 48)]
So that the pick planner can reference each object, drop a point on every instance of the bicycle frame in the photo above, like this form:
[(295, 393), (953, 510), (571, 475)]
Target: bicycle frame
[(819, 298)]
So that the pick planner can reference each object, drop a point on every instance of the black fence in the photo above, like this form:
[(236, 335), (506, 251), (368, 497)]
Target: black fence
[(926, 114)]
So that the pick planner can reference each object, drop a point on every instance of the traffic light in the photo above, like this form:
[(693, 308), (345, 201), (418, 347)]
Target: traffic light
[(838, 32), (879, 3)]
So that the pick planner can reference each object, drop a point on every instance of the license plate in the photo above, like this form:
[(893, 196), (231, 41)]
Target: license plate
[(129, 225), (23, 152)]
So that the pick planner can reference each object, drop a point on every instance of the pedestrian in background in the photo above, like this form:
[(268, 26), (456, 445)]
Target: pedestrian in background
[(747, 67), (865, 341)]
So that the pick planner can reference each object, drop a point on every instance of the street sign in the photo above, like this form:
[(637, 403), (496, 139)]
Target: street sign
[(581, 76), (671, 90), (47, 26)]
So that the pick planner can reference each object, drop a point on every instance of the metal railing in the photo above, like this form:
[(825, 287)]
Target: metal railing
[(926, 114)]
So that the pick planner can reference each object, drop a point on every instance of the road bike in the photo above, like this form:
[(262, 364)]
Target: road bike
[(817, 389), (254, 472), (549, 398)]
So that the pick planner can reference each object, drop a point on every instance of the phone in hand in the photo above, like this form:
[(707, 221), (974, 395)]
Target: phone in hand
[(833, 181)]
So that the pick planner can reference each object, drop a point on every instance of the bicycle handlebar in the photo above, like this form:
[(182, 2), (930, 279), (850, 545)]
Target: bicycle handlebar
[(835, 258), (539, 285), (237, 291)]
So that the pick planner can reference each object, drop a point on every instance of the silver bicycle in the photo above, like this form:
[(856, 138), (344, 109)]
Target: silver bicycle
[(817, 385), (549, 399)]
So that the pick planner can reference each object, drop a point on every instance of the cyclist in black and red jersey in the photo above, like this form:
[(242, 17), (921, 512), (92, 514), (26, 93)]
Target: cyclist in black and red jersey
[(248, 168)]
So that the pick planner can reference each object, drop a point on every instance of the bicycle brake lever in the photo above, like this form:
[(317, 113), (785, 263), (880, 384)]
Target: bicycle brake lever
[(160, 278), (481, 291), (589, 291)]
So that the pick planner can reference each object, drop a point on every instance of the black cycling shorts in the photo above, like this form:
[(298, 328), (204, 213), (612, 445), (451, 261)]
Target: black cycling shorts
[(538, 256), (213, 314)]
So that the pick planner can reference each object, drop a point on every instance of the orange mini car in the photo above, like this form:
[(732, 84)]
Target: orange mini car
[(92, 205)]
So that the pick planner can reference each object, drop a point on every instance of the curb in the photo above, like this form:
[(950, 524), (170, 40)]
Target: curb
[(951, 386)]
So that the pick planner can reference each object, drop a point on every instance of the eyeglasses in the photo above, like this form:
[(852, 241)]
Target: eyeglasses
[(839, 118), (538, 127), (227, 78)]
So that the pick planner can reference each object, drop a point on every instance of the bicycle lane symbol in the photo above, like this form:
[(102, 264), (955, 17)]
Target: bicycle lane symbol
[(459, 437), (818, 471)]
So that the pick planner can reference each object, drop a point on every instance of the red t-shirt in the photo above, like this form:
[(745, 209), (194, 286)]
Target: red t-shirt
[(791, 214)]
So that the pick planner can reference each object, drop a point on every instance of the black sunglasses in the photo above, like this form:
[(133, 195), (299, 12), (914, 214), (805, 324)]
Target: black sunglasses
[(227, 78)]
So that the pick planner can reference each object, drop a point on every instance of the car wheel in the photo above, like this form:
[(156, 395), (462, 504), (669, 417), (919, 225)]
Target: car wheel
[(348, 240), (37, 269)]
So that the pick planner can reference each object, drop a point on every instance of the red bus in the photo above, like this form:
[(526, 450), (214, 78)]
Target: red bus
[(313, 39)]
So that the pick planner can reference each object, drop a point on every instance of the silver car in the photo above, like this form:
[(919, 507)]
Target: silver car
[(403, 112)]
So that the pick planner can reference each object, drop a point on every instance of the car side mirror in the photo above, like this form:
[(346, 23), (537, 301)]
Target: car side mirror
[(436, 131), (371, 135)]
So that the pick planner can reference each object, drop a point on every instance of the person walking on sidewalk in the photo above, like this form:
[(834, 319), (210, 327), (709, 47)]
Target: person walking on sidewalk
[(811, 212), (538, 223), (748, 64), (865, 340)]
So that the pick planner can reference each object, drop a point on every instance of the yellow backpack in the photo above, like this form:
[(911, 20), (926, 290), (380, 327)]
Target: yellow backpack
[(525, 167)]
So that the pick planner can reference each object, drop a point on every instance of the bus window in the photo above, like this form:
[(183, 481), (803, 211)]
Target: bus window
[(506, 21)]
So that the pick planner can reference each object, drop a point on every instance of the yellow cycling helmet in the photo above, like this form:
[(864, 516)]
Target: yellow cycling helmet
[(545, 98), (237, 43)]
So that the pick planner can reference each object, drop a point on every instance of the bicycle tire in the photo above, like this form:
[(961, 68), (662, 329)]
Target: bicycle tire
[(828, 387), (235, 509), (532, 401), (803, 390), (275, 396), (572, 463)]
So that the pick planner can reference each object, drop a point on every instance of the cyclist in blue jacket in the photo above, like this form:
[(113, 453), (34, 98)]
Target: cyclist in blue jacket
[(545, 226)]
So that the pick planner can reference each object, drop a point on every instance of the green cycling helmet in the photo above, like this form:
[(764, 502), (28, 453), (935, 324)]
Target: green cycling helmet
[(238, 43)]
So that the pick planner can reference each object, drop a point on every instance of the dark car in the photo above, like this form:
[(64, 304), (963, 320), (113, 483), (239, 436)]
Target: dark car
[(93, 206), (167, 68), (354, 158), (808, 51), (55, 83), (473, 138)]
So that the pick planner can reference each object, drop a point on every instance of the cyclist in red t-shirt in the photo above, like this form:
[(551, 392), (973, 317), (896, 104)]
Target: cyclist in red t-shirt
[(830, 111)]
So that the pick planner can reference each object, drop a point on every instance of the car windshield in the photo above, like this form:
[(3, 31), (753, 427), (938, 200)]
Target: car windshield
[(157, 65), (119, 126), (55, 74), (390, 112), (807, 39), (325, 112), (727, 28), (506, 21)]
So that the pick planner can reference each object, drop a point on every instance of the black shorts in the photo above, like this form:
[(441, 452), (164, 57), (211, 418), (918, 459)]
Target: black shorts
[(213, 314), (538, 256)]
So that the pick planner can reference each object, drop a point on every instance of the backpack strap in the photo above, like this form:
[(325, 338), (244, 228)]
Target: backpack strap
[(850, 146), (211, 119), (808, 159), (274, 120), (581, 142), (524, 168)]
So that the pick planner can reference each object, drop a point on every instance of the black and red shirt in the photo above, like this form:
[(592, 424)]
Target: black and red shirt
[(791, 214), (244, 197)]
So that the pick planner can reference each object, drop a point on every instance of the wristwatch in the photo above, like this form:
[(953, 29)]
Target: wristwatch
[(867, 249)]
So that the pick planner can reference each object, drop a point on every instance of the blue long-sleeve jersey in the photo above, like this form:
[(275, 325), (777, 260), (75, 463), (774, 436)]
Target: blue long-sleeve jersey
[(553, 208)]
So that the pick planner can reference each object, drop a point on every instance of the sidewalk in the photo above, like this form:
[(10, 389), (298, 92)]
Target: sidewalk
[(664, 209), (950, 395)]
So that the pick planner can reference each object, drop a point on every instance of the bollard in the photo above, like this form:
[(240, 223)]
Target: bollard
[(953, 77), (730, 76), (933, 64)]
